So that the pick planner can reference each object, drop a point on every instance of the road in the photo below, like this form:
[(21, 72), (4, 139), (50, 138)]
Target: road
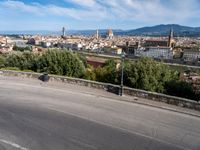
[(47, 116)]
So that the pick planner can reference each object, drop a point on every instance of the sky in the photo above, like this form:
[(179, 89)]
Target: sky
[(16, 15)]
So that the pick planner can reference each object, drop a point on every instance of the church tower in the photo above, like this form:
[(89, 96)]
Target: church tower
[(171, 36), (110, 34), (97, 34), (63, 32)]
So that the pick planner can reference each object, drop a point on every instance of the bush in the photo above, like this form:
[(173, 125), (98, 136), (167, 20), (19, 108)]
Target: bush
[(2, 61), (108, 73), (90, 74), (22, 49), (22, 60), (148, 74), (182, 89), (61, 63), (52, 62)]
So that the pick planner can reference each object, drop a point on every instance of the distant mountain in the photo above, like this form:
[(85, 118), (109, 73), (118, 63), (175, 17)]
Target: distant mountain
[(158, 30), (163, 30)]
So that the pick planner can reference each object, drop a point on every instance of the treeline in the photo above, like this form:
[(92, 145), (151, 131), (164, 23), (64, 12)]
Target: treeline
[(52, 62), (144, 73), (22, 49)]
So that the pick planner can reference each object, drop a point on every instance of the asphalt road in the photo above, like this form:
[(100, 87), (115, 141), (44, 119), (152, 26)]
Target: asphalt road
[(38, 116)]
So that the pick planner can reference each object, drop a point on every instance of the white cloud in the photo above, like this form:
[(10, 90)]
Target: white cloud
[(46, 10), (17, 5), (135, 10), (87, 3)]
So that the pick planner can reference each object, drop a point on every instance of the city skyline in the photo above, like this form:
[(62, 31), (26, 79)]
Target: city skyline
[(16, 15)]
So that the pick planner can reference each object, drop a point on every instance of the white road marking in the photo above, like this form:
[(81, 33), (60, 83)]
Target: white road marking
[(13, 144)]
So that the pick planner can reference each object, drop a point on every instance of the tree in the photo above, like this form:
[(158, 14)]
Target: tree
[(182, 89), (2, 61), (108, 73), (148, 74), (61, 63), (90, 74), (22, 49), (83, 58), (22, 60)]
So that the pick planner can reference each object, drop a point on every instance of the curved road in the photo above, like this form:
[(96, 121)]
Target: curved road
[(39, 116)]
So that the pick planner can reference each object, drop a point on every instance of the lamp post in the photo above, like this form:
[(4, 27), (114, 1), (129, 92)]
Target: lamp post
[(122, 74), (123, 54)]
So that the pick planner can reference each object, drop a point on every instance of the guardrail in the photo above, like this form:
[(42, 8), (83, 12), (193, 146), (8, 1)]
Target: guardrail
[(182, 102)]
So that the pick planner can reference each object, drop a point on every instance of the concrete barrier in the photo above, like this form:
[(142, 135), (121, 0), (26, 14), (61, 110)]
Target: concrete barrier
[(111, 88)]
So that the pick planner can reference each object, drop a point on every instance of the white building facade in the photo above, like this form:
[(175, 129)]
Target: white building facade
[(157, 52), (191, 55)]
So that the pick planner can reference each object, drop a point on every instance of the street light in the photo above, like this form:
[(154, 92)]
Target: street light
[(122, 73), (123, 54)]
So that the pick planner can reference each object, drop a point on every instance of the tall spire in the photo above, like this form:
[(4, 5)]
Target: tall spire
[(171, 33), (97, 34), (171, 36), (63, 31)]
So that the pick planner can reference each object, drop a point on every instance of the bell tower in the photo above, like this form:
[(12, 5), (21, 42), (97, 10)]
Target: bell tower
[(171, 36)]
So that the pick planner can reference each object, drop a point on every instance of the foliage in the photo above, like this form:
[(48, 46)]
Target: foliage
[(82, 57), (110, 63), (22, 60), (52, 62), (148, 74), (61, 63), (2, 61), (108, 73), (182, 69), (22, 49), (182, 89), (90, 74)]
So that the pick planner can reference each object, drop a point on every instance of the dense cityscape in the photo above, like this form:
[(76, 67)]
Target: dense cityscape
[(181, 49), (99, 75), (169, 49)]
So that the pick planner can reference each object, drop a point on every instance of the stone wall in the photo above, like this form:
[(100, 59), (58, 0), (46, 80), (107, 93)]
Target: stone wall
[(111, 88), (182, 102)]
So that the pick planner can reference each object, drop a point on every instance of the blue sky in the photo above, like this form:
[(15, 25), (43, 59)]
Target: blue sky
[(16, 15)]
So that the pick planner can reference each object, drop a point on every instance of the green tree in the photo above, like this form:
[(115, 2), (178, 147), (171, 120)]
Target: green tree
[(2, 61), (148, 74), (182, 89), (22, 60), (108, 73), (90, 73), (22, 49), (61, 63), (83, 58)]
